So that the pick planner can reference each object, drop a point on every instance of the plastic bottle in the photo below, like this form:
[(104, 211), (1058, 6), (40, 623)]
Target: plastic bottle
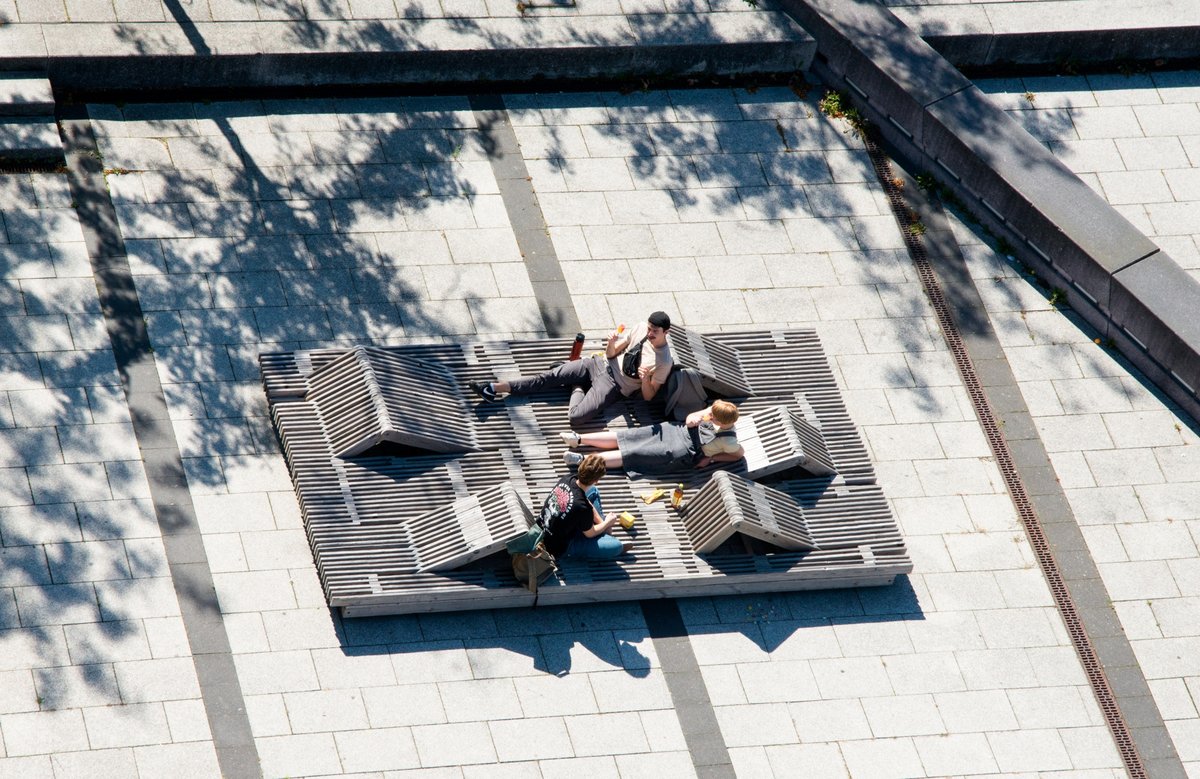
[(677, 496), (577, 347)]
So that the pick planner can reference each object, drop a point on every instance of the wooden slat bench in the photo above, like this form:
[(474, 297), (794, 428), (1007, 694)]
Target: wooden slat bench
[(730, 504), (777, 438), (370, 395), (384, 523)]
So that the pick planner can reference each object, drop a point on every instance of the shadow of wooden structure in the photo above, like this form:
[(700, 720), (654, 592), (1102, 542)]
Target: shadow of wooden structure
[(409, 487)]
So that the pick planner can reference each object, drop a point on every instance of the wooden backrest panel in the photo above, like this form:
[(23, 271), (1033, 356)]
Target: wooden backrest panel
[(370, 395), (731, 504), (777, 438), (719, 365), (467, 529)]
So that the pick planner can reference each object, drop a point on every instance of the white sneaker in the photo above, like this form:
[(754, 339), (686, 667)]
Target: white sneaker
[(571, 438)]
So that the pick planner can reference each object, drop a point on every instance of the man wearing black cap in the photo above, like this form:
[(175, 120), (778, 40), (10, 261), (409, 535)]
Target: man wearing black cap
[(636, 359)]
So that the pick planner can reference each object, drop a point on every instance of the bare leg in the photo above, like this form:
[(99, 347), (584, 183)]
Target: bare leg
[(605, 439), (500, 386), (612, 459)]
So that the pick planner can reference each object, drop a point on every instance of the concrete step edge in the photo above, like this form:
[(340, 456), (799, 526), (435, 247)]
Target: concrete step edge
[(24, 137), (25, 94)]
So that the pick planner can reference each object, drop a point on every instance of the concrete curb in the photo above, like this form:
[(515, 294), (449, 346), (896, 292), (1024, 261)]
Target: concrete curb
[(1119, 281), (1006, 35), (477, 68), (166, 56)]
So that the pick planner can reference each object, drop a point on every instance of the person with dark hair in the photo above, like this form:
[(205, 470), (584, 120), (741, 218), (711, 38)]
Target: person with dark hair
[(638, 359), (572, 518)]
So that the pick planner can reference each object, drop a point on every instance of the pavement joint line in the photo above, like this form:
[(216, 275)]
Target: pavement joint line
[(965, 324), (681, 670), (191, 576), (525, 215), (685, 683)]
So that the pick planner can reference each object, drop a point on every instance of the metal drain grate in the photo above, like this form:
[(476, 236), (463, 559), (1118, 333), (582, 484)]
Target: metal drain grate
[(1012, 480), (49, 164)]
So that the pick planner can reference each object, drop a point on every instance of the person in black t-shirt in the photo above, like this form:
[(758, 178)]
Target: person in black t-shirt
[(574, 525)]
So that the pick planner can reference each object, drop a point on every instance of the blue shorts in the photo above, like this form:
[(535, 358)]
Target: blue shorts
[(603, 547)]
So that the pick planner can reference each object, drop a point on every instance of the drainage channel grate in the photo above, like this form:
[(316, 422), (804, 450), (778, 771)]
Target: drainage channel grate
[(48, 164), (1012, 479)]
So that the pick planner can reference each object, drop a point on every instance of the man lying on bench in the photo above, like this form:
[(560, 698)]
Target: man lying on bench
[(706, 437)]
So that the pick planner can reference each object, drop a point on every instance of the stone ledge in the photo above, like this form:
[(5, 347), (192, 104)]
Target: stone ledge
[(23, 94), (1012, 175), (1154, 302), (29, 138), (1015, 186), (1051, 32), (165, 55)]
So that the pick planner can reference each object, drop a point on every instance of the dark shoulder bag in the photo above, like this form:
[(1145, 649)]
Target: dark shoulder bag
[(632, 359)]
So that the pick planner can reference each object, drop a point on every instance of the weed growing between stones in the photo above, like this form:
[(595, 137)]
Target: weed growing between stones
[(837, 106)]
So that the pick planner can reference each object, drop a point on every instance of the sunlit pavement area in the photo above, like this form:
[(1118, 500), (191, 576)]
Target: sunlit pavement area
[(265, 226)]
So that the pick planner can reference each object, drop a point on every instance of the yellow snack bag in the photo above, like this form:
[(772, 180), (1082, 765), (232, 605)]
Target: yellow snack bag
[(653, 495)]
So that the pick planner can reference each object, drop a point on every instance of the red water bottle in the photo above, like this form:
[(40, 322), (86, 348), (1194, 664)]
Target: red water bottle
[(577, 347)]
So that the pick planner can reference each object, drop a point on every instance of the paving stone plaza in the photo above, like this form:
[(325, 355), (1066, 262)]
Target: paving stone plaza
[(254, 225)]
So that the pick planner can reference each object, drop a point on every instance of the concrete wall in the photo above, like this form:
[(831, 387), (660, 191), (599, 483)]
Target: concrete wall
[(1000, 34)]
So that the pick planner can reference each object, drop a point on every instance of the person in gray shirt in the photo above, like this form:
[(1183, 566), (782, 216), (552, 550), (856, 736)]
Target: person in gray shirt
[(638, 359)]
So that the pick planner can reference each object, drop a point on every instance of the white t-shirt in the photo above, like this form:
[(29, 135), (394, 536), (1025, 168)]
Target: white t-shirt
[(660, 359)]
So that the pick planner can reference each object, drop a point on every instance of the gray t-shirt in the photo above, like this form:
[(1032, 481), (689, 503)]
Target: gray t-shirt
[(660, 359)]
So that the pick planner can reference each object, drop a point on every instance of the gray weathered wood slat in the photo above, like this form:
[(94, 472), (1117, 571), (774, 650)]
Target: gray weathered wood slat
[(358, 510), (466, 529), (719, 365)]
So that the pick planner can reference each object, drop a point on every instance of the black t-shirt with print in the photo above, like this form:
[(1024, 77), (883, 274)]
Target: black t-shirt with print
[(566, 512)]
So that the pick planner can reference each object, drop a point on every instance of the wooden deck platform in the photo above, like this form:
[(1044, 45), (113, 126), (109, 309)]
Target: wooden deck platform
[(360, 510)]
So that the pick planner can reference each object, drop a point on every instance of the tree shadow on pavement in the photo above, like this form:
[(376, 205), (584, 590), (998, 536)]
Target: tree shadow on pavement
[(84, 570), (299, 224)]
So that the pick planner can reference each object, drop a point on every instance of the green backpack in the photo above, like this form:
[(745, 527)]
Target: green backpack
[(532, 563)]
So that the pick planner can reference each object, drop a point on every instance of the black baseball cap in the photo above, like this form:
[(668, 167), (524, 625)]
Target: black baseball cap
[(660, 319)]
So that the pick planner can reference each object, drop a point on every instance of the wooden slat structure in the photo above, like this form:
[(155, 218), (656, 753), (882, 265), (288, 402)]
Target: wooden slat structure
[(467, 529), (777, 439), (718, 364), (389, 528), (731, 504), (370, 395)]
